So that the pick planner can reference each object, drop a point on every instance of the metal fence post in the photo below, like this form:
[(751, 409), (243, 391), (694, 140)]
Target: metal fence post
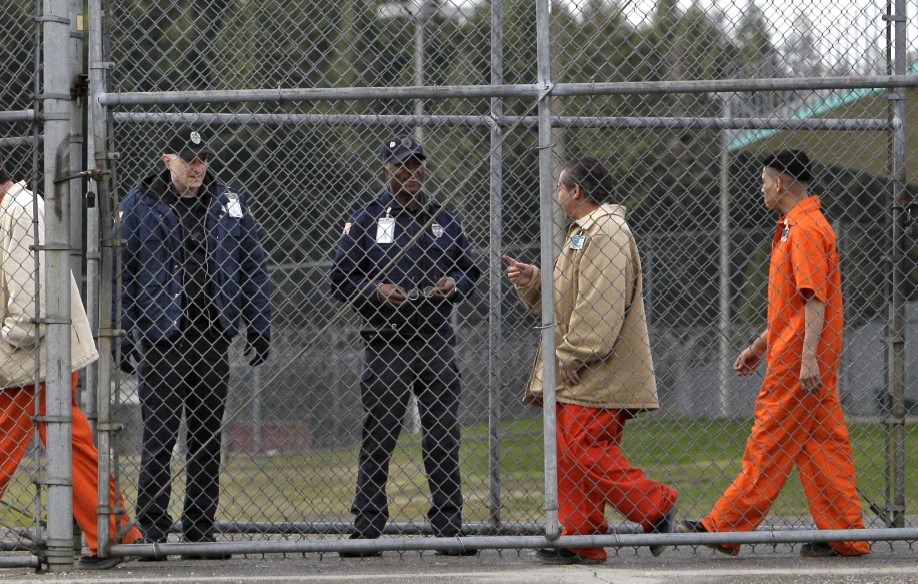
[(495, 265), (100, 267), (896, 369), (546, 221), (56, 119)]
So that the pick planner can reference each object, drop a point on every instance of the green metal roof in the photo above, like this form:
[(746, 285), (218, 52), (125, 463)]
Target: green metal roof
[(832, 102)]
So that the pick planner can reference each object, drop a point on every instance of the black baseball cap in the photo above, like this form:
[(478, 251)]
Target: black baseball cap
[(400, 148), (188, 142), (794, 163)]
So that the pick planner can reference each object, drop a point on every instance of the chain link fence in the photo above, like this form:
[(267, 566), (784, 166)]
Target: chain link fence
[(295, 99)]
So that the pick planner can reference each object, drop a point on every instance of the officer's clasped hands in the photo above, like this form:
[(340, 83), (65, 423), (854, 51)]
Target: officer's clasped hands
[(392, 295)]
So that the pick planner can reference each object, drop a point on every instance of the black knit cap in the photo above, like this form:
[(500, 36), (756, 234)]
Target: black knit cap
[(794, 163)]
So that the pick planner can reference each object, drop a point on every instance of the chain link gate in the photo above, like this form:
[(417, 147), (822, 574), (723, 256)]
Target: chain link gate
[(681, 103)]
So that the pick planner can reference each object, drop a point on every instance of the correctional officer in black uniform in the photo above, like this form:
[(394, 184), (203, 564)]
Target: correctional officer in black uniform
[(405, 294), (194, 272)]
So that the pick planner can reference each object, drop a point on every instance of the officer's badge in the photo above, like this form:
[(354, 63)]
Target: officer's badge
[(392, 144), (347, 228), (195, 138), (437, 229), (406, 142)]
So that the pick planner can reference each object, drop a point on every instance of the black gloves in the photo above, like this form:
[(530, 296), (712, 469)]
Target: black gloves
[(127, 353), (258, 346)]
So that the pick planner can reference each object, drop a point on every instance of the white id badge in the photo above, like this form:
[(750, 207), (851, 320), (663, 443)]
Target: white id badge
[(385, 230), (234, 208)]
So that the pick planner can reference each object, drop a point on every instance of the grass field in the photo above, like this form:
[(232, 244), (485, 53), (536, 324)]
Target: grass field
[(698, 457)]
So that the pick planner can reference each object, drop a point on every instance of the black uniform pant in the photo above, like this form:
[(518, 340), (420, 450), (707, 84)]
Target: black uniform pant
[(393, 368), (186, 375)]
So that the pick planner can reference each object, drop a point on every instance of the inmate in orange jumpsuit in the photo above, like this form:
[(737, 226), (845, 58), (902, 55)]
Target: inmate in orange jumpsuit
[(791, 426), (593, 472), (17, 406)]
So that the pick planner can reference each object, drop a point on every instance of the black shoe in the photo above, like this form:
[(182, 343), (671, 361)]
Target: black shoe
[(347, 554), (463, 552), (154, 558), (818, 549), (97, 563), (686, 526), (352, 554), (563, 556), (663, 525)]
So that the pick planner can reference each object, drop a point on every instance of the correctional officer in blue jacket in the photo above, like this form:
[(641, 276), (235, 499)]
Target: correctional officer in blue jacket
[(404, 262), (193, 273)]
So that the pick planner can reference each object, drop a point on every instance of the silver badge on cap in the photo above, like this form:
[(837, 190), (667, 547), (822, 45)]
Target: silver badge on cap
[(392, 144), (406, 142), (195, 138)]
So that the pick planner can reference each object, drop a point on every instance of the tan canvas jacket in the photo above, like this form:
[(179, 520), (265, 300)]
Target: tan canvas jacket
[(600, 327), (18, 336)]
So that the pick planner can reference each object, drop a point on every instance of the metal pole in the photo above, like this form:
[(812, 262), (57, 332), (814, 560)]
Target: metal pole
[(487, 91), (546, 221), (401, 544), (420, 24), (495, 266), (102, 221), (56, 115), (76, 187), (419, 16), (434, 120), (91, 377), (897, 278), (724, 295)]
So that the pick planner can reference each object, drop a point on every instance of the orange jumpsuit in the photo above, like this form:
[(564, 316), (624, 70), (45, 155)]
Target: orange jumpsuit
[(17, 406), (593, 472), (791, 426)]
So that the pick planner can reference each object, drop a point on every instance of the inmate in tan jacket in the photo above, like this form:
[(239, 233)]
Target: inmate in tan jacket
[(600, 327), (19, 337)]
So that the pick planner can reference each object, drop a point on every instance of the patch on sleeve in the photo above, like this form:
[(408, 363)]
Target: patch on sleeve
[(347, 228)]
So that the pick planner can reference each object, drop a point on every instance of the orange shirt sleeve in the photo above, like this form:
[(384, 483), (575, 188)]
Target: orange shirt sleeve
[(809, 259)]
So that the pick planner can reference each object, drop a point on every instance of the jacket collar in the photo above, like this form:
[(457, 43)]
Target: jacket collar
[(604, 210), (801, 209), (428, 203), (158, 187), (15, 190)]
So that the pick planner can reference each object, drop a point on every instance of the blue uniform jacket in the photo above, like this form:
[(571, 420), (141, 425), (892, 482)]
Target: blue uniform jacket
[(442, 251), (152, 264)]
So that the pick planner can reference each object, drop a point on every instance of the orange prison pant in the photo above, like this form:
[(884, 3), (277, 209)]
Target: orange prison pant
[(17, 406), (593, 472), (795, 428)]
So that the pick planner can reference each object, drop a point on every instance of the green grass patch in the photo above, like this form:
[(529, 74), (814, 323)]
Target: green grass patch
[(698, 457)]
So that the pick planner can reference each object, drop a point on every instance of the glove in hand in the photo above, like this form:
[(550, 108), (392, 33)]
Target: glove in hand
[(258, 347)]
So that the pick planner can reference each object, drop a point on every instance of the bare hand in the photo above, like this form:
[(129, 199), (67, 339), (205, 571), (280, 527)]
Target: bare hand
[(391, 295), (445, 288), (520, 274), (810, 379), (566, 375), (747, 362)]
